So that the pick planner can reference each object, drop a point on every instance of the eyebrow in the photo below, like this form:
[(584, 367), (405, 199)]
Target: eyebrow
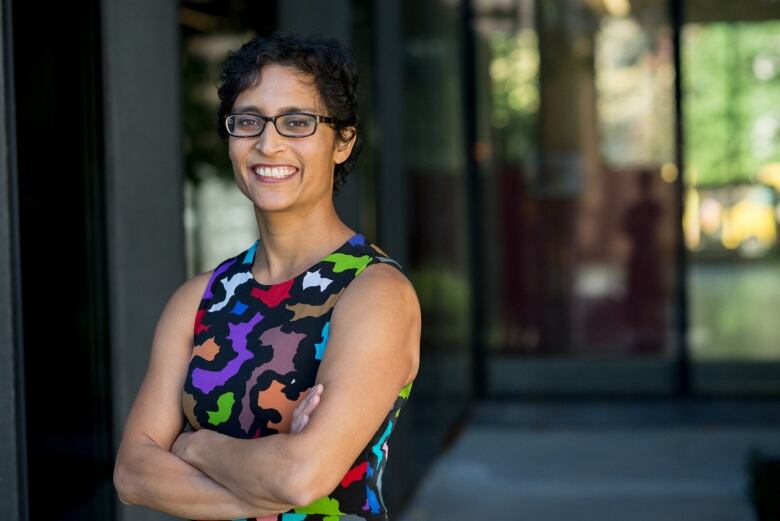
[(284, 110)]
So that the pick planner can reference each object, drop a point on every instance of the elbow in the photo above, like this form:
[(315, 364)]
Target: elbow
[(299, 494), (303, 475), (294, 488), (306, 484), (123, 483)]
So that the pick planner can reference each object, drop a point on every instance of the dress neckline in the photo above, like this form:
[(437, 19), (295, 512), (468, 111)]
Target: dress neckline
[(249, 260)]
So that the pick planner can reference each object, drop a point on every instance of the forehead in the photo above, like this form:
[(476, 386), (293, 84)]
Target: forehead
[(278, 86)]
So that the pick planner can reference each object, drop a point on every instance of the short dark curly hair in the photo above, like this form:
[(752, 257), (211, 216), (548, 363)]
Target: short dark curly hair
[(326, 60)]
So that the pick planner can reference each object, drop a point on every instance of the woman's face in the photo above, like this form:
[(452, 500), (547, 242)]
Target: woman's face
[(305, 164)]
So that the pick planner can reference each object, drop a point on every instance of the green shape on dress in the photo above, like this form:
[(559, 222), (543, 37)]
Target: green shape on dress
[(324, 506), (224, 406), (406, 390), (343, 261)]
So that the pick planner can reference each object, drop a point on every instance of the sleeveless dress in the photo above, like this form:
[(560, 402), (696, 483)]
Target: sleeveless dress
[(257, 349)]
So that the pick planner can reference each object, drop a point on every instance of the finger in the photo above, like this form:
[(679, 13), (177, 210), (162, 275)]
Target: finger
[(307, 405), (298, 408), (299, 423), (310, 394), (302, 403), (311, 404)]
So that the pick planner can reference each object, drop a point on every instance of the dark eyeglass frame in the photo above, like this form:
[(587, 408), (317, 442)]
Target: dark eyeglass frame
[(317, 120)]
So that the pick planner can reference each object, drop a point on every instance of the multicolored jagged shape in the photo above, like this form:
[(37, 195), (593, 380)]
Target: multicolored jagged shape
[(257, 351)]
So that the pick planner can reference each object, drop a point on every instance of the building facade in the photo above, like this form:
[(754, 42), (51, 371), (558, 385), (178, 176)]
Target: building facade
[(585, 194)]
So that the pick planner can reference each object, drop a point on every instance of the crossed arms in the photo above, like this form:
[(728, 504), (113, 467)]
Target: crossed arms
[(206, 475)]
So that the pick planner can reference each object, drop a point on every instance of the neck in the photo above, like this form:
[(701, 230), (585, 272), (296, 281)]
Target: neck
[(292, 241)]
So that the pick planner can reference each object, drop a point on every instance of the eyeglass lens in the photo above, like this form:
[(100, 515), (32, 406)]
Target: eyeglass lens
[(290, 125)]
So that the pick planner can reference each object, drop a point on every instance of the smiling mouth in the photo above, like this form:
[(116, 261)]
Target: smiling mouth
[(276, 172)]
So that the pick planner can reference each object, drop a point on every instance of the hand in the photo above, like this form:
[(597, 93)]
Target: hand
[(180, 444), (304, 409)]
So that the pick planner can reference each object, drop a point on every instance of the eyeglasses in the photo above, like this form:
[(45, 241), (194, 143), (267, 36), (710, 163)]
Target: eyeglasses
[(298, 124)]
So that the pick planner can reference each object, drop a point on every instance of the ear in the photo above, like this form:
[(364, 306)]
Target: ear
[(342, 149)]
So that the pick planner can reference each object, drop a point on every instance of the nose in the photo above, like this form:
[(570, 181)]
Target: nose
[(270, 141)]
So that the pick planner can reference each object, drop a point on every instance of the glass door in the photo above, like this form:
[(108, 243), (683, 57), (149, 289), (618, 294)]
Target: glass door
[(66, 382), (576, 155)]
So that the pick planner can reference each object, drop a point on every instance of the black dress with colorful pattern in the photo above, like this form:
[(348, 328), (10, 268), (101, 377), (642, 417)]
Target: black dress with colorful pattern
[(257, 351)]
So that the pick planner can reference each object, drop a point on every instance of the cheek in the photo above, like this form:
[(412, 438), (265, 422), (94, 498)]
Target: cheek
[(314, 152), (232, 153), (328, 150), (237, 153)]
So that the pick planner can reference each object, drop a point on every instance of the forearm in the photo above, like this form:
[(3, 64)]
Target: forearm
[(256, 470), (149, 475)]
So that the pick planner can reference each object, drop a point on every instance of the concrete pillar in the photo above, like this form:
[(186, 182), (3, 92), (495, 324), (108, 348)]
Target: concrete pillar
[(144, 194)]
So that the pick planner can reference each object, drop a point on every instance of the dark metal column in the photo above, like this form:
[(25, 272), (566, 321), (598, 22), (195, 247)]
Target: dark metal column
[(392, 184), (13, 479), (682, 359), (474, 201)]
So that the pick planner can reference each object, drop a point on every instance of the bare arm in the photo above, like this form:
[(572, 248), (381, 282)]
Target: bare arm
[(146, 472), (372, 352), (267, 482)]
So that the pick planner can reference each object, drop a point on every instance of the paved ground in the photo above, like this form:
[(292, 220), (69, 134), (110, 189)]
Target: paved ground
[(600, 462)]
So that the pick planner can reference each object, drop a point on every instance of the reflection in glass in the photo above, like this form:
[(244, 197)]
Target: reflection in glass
[(576, 150), (438, 267), (218, 219), (732, 209)]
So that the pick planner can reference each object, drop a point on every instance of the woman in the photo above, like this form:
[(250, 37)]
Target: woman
[(282, 427)]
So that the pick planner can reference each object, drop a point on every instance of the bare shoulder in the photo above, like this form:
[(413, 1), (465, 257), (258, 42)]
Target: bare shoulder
[(176, 323), (173, 334), (191, 291), (382, 288), (182, 306), (382, 309)]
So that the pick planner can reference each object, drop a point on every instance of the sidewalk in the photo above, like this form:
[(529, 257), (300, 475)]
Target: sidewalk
[(600, 462)]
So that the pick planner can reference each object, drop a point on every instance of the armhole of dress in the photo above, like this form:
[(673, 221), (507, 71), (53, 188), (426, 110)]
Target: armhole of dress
[(379, 257), (203, 298), (203, 303), (219, 271), (208, 291)]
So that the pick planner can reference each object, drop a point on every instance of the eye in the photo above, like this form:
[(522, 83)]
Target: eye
[(247, 121), (298, 121)]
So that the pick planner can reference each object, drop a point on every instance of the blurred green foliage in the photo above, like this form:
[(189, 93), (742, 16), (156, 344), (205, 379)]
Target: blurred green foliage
[(514, 74), (731, 81), (444, 302)]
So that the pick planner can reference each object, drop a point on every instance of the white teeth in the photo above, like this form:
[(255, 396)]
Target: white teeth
[(275, 172)]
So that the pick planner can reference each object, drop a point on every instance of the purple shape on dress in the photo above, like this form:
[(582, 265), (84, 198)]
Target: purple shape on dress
[(206, 380), (217, 272), (357, 239)]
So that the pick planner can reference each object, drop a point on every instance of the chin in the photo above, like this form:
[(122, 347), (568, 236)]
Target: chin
[(275, 203), (271, 206)]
